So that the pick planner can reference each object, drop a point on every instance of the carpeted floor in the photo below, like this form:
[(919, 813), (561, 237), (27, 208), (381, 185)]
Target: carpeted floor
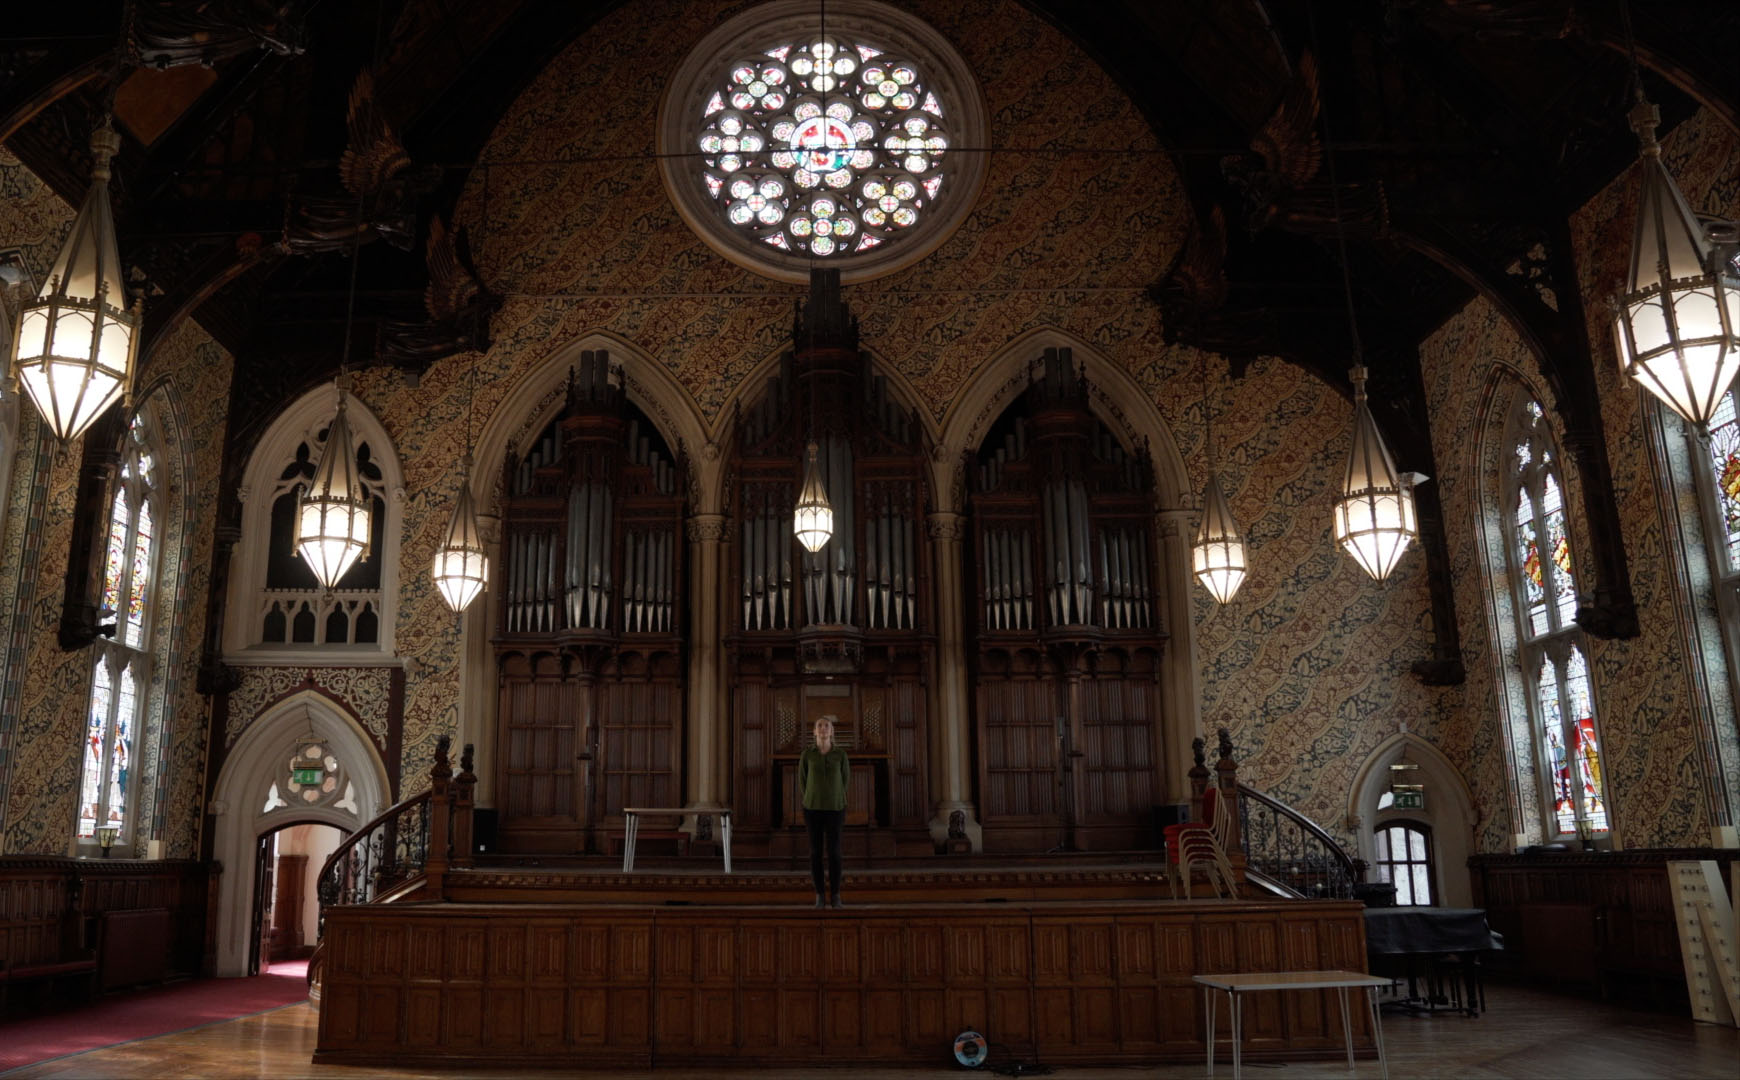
[(123, 1018)]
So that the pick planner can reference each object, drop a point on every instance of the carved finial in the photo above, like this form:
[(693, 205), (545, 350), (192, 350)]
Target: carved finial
[(442, 767), (465, 760), (1198, 747), (1225, 745)]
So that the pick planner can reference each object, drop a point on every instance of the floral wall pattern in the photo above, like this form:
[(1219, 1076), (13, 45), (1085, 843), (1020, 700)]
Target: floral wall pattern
[(1644, 687), (42, 709), (1308, 669)]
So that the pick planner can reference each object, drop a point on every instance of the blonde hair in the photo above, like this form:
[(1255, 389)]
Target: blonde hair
[(827, 718)]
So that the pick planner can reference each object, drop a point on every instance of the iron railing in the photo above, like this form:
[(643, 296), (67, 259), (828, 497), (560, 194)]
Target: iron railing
[(380, 857), (1291, 850)]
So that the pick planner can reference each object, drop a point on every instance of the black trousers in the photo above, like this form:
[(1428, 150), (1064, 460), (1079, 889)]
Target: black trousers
[(825, 825)]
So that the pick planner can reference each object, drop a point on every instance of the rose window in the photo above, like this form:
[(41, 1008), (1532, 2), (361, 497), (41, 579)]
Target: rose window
[(823, 148)]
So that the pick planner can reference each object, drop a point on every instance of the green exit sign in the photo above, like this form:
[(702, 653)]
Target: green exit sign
[(310, 775), (1410, 800)]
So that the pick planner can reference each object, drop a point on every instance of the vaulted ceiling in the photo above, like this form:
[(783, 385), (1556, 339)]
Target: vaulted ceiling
[(1461, 134)]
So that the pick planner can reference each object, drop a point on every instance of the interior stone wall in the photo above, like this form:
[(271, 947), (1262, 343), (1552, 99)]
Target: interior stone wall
[(1308, 668), (42, 708), (1645, 688)]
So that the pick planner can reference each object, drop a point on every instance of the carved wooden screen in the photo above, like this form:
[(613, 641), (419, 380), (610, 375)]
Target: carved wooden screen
[(591, 620), (843, 631), (1066, 668)]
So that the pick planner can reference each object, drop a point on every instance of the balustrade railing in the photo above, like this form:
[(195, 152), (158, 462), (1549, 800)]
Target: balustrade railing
[(411, 842), (1291, 850)]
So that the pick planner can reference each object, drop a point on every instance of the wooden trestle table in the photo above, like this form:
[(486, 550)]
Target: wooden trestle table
[(631, 816), (1235, 986)]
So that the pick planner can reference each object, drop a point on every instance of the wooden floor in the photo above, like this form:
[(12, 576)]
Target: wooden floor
[(1525, 1034)]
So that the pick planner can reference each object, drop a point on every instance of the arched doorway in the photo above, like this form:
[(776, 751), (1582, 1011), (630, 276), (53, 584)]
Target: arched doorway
[(286, 922), (259, 792), (1441, 827)]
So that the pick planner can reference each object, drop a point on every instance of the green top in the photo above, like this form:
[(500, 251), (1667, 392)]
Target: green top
[(822, 778)]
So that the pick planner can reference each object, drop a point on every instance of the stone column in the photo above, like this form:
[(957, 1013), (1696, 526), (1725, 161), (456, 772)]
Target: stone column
[(1182, 703), (479, 695), (948, 701), (705, 747)]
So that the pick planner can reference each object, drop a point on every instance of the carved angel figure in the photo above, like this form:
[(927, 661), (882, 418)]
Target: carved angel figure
[(1285, 155), (384, 187), (458, 305)]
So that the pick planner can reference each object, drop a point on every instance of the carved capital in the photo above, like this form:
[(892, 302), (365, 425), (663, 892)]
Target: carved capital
[(706, 528), (947, 525)]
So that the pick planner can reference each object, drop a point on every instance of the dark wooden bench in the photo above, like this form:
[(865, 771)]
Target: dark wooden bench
[(56, 975)]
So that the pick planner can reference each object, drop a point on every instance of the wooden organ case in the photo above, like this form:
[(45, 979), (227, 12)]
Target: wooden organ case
[(841, 632), (1066, 668), (589, 648)]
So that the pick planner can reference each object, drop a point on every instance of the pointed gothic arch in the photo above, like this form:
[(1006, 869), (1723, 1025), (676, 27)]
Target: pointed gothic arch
[(298, 427), (255, 761)]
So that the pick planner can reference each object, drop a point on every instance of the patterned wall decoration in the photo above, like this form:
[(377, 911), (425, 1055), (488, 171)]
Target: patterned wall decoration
[(1309, 668), (1644, 690), (45, 688), (365, 691), (1656, 766), (1471, 366)]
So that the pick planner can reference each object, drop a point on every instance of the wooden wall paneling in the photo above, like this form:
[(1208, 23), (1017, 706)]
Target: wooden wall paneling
[(640, 744), (1181, 1018), (542, 714), (1017, 749), (1136, 959), (752, 713), (625, 987), (910, 806)]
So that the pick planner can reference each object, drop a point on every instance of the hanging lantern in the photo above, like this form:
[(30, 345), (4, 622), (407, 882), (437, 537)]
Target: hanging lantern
[(1678, 324), (76, 342), (461, 568), (1374, 518), (1219, 552), (813, 520), (333, 514)]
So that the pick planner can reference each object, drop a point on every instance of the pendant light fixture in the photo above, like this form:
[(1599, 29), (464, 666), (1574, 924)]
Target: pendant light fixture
[(334, 514), (1678, 324), (76, 342), (1374, 518), (1218, 556), (1374, 515), (813, 519), (461, 568)]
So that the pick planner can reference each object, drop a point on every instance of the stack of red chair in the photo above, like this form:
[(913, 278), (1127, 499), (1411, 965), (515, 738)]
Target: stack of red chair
[(1202, 843)]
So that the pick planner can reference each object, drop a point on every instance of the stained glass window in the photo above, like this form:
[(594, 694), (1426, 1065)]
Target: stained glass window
[(1724, 450), (1404, 859), (823, 146), (107, 784), (1546, 600)]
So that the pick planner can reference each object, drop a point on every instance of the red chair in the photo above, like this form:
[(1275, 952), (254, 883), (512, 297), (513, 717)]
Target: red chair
[(1198, 843)]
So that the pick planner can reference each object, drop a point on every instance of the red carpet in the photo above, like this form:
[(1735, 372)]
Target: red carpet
[(141, 1015)]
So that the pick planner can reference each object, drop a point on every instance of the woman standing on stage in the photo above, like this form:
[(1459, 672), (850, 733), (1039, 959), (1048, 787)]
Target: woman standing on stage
[(823, 773)]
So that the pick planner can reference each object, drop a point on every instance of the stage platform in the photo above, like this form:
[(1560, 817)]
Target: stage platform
[(569, 964)]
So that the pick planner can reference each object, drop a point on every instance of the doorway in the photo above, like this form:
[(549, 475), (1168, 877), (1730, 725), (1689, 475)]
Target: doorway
[(286, 922)]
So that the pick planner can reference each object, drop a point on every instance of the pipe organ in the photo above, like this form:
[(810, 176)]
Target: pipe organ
[(1067, 658), (842, 631), (589, 643)]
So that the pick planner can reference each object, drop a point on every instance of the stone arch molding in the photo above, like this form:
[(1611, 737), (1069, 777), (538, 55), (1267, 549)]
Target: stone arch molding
[(254, 762), (1450, 810), (299, 423), (538, 396), (1117, 399)]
